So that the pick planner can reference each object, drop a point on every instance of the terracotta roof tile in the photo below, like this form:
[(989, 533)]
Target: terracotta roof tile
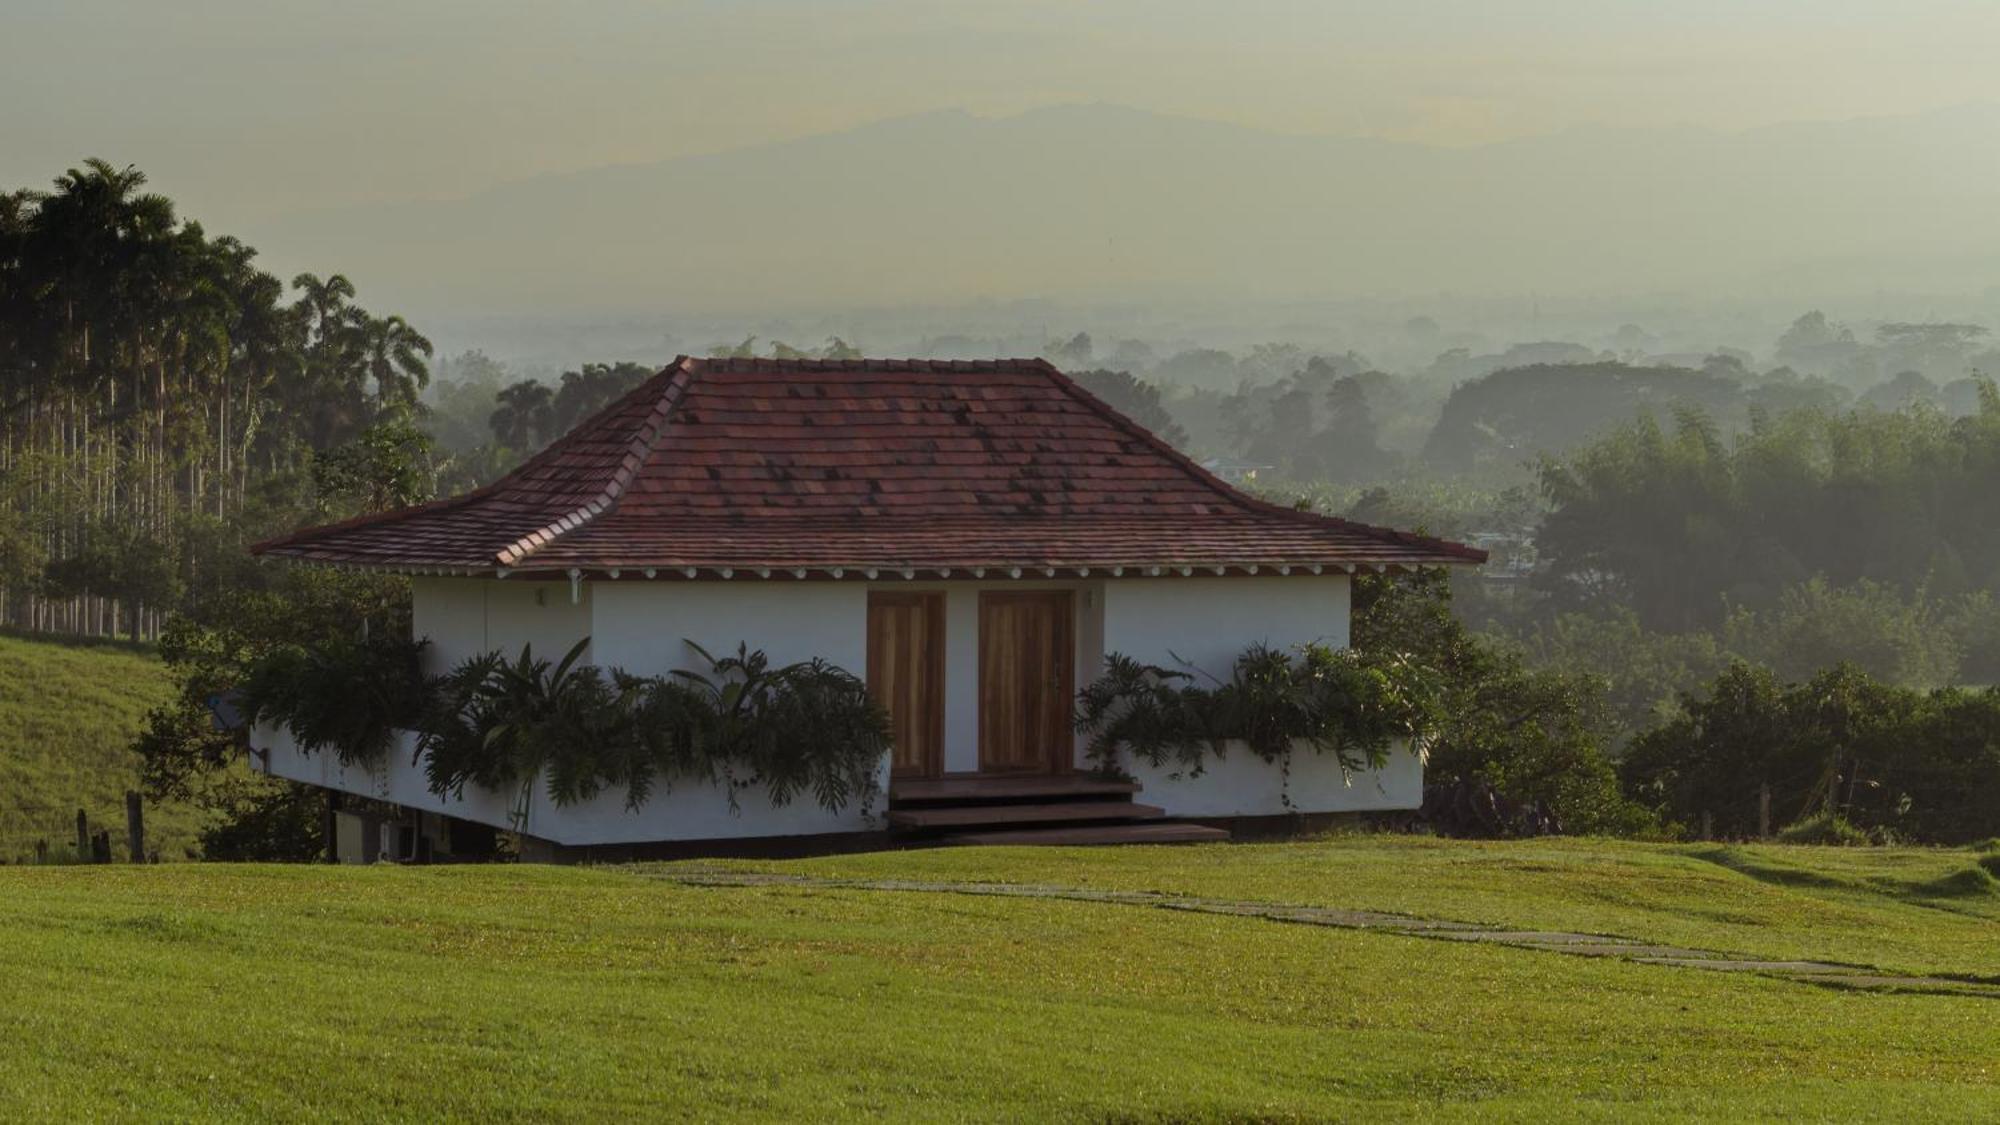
[(815, 464)]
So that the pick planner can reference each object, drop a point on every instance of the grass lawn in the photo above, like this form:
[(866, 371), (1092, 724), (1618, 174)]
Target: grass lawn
[(1903, 909), (67, 716), (522, 993)]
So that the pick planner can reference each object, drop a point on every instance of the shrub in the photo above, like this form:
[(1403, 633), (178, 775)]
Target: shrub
[(350, 696), (1824, 829), (265, 821)]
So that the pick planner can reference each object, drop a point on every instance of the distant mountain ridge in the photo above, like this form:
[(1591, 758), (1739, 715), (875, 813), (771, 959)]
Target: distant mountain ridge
[(1102, 200)]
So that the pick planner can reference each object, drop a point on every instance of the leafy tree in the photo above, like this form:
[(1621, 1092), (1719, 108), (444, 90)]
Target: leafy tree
[(1350, 445), (1907, 389), (1198, 367), (1075, 350), (1134, 398), (1644, 672), (461, 398), (392, 464), (1840, 745), (1680, 526), (1814, 343), (114, 560), (585, 391), (1898, 639), (1535, 736), (1933, 348), (1516, 415)]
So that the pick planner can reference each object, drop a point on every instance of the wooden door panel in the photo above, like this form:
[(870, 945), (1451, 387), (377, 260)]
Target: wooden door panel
[(1024, 681), (906, 676)]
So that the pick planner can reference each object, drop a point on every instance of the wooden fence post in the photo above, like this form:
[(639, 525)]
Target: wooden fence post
[(1708, 826), (135, 826), (1764, 811), (82, 837), (41, 851)]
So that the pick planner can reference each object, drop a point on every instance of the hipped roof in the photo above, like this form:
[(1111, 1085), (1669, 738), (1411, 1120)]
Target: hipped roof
[(842, 467)]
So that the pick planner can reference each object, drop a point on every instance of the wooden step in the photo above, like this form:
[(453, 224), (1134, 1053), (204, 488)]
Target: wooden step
[(1092, 836), (959, 816), (943, 789)]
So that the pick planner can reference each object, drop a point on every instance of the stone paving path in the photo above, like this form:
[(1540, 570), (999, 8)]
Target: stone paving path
[(1826, 973)]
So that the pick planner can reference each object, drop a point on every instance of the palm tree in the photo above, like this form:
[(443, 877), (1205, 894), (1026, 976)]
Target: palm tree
[(395, 356), (522, 420)]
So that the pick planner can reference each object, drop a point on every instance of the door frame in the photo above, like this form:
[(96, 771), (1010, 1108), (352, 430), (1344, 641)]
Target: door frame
[(932, 703), (1059, 759)]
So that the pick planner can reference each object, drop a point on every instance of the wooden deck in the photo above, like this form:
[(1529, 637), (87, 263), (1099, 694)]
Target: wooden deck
[(965, 816), (1045, 809), (1006, 788)]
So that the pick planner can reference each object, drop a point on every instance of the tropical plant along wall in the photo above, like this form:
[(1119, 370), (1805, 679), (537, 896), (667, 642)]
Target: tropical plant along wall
[(499, 724), (1343, 702)]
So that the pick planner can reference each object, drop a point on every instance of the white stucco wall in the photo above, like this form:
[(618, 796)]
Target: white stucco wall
[(464, 617), (1208, 622), (1242, 784), (643, 627)]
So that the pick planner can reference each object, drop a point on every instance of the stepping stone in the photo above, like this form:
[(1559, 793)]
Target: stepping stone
[(1616, 949), (1434, 926), (1350, 919), (1556, 938), (1738, 965), (1876, 981)]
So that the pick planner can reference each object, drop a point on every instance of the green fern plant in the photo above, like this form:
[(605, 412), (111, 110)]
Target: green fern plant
[(348, 696), (501, 724), (1350, 705), (799, 728), (806, 727)]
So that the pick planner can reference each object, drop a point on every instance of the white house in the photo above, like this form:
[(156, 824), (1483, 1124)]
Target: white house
[(971, 537)]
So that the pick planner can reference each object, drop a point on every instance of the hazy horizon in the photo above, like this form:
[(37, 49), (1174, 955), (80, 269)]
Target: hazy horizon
[(783, 159)]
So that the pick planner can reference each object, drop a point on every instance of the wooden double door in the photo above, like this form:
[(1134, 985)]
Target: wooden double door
[(1025, 645)]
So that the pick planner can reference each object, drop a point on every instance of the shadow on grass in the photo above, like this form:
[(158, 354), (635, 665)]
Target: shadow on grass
[(1776, 874), (1978, 880)]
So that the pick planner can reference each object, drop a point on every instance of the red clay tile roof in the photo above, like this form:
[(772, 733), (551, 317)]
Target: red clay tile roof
[(818, 465)]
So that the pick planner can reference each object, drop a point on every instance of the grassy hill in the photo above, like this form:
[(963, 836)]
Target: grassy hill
[(67, 715), (523, 993)]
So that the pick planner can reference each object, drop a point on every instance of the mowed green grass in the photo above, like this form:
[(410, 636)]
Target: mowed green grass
[(1914, 910), (523, 993), (68, 713)]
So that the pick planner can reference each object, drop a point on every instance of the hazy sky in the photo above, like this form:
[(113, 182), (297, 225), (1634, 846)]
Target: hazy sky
[(245, 109)]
